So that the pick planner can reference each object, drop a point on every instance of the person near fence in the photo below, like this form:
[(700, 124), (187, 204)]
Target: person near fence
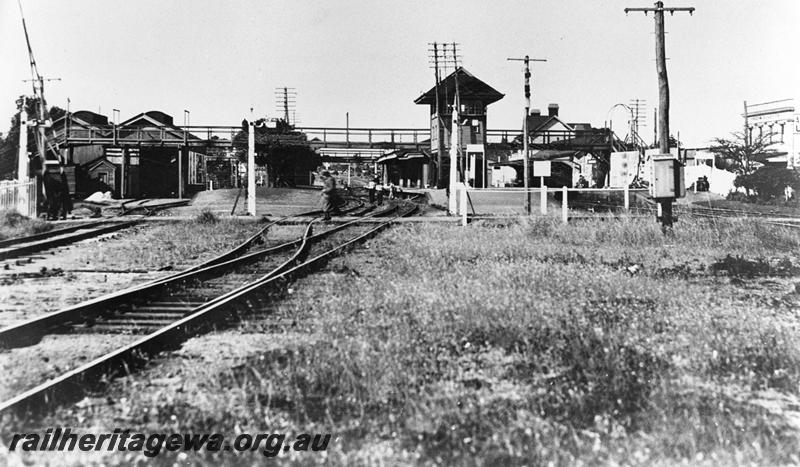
[(582, 183), (64, 201), (379, 194), (371, 189), (329, 198), (53, 188)]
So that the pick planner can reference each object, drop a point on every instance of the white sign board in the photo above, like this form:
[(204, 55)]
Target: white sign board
[(541, 168), (623, 168)]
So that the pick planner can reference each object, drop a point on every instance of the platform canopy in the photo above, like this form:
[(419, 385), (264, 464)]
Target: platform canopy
[(404, 155), (470, 88)]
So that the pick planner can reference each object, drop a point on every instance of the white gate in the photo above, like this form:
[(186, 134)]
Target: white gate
[(18, 195)]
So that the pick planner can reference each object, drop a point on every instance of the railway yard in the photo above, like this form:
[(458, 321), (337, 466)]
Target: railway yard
[(412, 341)]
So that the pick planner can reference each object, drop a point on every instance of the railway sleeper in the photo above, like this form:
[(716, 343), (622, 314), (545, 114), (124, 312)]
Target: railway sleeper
[(158, 308), (151, 316)]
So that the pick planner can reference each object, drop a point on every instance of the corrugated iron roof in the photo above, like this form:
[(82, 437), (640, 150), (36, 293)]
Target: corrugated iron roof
[(469, 88)]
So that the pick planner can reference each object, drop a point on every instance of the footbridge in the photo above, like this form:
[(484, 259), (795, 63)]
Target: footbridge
[(327, 140)]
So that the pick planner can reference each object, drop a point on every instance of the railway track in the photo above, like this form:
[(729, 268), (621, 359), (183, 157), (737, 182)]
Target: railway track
[(24, 246), (165, 312)]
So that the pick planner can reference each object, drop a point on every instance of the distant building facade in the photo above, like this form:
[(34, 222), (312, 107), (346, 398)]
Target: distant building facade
[(781, 121)]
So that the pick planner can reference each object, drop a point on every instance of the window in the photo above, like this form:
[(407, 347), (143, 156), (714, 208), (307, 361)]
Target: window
[(103, 177)]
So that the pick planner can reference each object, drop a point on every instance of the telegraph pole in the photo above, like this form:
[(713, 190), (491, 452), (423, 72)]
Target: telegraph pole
[(440, 59), (525, 150), (439, 121), (285, 102), (663, 89), (455, 141)]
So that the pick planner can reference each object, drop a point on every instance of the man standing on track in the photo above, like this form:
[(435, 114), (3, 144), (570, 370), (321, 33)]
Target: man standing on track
[(329, 198)]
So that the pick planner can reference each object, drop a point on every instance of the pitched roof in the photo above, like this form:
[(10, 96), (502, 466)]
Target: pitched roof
[(469, 88)]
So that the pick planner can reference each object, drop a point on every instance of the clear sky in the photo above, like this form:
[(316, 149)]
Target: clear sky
[(219, 58)]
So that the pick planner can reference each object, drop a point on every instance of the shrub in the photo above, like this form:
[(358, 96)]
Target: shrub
[(206, 216), (769, 182), (12, 218)]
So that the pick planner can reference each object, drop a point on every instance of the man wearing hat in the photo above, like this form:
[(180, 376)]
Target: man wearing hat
[(328, 194)]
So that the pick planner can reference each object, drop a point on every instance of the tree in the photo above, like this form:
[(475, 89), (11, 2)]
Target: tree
[(768, 182), (9, 146), (741, 154), (283, 150)]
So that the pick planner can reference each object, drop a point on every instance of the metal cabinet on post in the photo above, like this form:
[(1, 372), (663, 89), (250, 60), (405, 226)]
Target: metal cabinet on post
[(667, 178)]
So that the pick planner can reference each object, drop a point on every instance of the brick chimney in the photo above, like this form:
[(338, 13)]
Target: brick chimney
[(552, 110), (536, 112)]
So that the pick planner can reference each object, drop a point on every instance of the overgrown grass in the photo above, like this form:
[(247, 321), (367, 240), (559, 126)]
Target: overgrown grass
[(14, 224), (168, 245), (523, 343)]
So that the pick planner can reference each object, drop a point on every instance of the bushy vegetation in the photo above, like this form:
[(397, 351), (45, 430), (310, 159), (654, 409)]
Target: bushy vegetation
[(206, 216), (14, 224), (768, 182), (514, 343)]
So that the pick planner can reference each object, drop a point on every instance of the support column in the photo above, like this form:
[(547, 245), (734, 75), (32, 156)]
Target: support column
[(123, 172), (180, 172), (542, 196)]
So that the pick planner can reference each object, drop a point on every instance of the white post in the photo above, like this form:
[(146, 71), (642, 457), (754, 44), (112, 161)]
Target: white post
[(658, 210), (543, 197), (564, 205), (454, 143), (22, 160), (251, 170), (627, 194), (464, 205), (349, 169)]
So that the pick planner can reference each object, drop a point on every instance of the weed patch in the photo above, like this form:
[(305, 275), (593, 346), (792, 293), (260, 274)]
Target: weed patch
[(14, 224), (736, 266)]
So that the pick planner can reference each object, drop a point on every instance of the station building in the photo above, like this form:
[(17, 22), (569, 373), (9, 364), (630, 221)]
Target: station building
[(432, 166), (126, 167)]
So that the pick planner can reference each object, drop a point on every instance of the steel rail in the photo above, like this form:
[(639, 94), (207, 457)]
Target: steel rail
[(74, 382), (66, 383), (63, 231), (50, 233), (31, 247), (31, 331)]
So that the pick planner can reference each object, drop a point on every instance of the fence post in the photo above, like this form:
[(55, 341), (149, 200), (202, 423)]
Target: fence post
[(627, 194), (543, 198), (564, 205)]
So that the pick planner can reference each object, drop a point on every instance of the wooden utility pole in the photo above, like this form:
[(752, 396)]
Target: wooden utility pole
[(663, 90), (525, 135), (439, 121)]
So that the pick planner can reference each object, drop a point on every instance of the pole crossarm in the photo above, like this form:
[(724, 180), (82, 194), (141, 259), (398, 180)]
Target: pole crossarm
[(663, 92), (671, 10)]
